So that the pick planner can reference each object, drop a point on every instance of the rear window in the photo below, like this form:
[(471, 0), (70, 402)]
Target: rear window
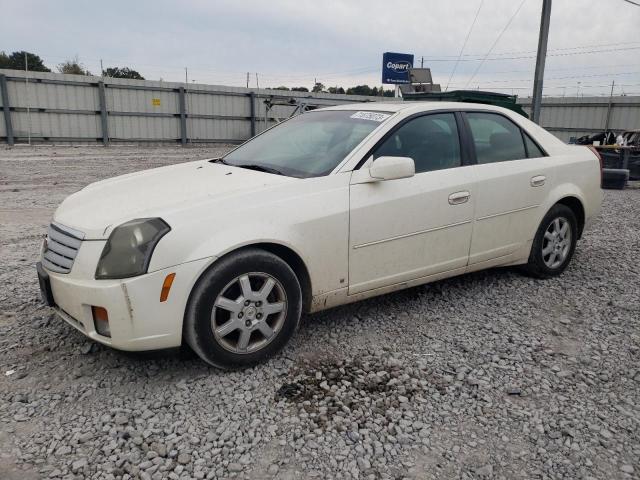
[(496, 138), (533, 151)]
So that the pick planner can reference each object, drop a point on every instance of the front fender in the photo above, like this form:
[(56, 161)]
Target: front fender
[(313, 224)]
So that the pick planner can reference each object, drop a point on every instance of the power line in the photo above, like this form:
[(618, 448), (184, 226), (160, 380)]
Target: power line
[(464, 45), (497, 40), (517, 52), (557, 69), (579, 47), (347, 72), (609, 75), (524, 57), (632, 3)]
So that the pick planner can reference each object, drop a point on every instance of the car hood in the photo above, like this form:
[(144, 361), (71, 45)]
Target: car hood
[(101, 206)]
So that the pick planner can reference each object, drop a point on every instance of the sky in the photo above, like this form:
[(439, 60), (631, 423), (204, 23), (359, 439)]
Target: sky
[(592, 43)]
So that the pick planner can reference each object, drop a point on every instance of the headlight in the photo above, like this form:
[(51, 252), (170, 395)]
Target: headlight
[(129, 248)]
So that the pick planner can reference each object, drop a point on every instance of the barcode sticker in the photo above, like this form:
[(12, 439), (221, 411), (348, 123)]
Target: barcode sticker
[(373, 116)]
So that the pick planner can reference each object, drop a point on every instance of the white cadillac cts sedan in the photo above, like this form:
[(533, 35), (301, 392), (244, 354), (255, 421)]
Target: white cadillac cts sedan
[(326, 208)]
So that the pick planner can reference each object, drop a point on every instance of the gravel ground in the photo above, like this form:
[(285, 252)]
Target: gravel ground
[(489, 375)]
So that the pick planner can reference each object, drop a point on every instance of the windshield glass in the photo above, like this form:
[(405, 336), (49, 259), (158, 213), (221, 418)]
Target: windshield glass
[(309, 145)]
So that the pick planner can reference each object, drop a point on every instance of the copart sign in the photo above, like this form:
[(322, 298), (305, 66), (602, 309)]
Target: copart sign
[(395, 67)]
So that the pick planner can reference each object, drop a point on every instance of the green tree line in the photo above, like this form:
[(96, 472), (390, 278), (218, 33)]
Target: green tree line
[(357, 90), (20, 59)]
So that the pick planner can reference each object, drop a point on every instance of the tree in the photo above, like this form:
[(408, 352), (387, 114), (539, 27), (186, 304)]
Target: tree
[(299, 89), (281, 87), (361, 90), (318, 88), (337, 90), (124, 72), (4, 60), (73, 67), (15, 61)]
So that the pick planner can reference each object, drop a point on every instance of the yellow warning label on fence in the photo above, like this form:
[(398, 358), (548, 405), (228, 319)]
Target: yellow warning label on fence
[(155, 102)]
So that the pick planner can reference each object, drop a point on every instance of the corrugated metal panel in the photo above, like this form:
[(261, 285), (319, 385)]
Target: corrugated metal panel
[(156, 105), (626, 118), (202, 104), (206, 129), (44, 95), (574, 117), (3, 130), (144, 128), (56, 125), (141, 101)]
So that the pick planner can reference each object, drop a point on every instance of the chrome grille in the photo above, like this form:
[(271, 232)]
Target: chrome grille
[(61, 248)]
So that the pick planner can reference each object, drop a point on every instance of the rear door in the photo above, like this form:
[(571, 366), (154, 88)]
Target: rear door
[(513, 179)]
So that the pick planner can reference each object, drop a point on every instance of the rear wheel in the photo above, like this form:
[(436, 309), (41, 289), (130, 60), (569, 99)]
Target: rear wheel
[(554, 243), (243, 310)]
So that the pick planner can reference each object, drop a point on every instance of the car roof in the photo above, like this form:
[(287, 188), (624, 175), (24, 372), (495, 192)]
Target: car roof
[(413, 106)]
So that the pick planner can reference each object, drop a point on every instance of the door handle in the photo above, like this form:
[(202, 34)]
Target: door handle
[(459, 197), (538, 180)]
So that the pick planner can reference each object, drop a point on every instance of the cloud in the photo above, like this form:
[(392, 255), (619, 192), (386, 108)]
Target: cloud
[(337, 42)]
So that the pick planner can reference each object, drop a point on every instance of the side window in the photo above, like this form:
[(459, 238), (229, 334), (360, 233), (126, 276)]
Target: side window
[(430, 140), (533, 150), (496, 138)]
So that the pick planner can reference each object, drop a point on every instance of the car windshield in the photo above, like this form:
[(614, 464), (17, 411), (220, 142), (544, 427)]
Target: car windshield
[(309, 145)]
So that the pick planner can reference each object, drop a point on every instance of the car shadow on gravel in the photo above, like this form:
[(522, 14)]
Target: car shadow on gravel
[(365, 317), (301, 352)]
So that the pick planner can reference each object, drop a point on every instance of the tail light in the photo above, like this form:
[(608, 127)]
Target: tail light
[(597, 154)]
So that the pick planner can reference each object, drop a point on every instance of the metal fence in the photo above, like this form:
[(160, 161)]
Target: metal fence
[(53, 107), (568, 117)]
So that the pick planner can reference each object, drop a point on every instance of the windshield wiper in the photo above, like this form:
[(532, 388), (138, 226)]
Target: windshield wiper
[(219, 160), (259, 168)]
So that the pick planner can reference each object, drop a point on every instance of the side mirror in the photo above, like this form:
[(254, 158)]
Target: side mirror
[(392, 168)]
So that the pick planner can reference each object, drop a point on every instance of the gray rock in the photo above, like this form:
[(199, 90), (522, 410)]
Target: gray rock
[(485, 470), (121, 420), (627, 469), (462, 352), (78, 465)]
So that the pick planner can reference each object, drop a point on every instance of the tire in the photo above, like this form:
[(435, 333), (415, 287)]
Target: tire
[(614, 178), (541, 264), (258, 304)]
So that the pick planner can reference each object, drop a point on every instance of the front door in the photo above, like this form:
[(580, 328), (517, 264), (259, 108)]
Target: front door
[(410, 228)]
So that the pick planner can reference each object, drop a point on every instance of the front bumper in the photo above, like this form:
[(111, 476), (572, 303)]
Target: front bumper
[(137, 318)]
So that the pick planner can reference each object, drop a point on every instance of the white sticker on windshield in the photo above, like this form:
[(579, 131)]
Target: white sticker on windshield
[(373, 116)]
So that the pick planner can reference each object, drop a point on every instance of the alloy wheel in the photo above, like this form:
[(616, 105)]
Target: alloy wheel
[(556, 243), (249, 312)]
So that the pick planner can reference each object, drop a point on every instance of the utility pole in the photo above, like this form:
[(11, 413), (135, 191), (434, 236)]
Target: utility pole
[(101, 69), (421, 62), (26, 84), (540, 60), (609, 105), (186, 75), (247, 79)]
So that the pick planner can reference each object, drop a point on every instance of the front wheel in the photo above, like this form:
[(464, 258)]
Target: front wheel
[(243, 310), (554, 243)]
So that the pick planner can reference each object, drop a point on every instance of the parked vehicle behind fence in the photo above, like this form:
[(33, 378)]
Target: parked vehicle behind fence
[(326, 208)]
